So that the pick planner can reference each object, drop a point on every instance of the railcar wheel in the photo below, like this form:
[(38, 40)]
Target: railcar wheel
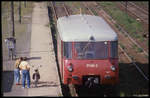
[(65, 89)]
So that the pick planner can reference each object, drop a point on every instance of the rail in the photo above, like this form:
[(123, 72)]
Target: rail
[(126, 34), (71, 86), (134, 13), (144, 11), (56, 17)]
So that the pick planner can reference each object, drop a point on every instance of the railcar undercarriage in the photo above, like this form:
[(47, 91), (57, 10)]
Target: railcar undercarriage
[(91, 80)]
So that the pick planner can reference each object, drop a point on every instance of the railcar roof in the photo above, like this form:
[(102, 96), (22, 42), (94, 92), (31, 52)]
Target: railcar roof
[(83, 27)]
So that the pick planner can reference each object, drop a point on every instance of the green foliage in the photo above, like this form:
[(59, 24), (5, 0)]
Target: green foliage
[(130, 24), (146, 56), (122, 46), (137, 49)]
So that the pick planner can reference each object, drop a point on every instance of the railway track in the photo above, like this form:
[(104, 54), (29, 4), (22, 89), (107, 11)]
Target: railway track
[(135, 10), (145, 51), (123, 31), (125, 34), (130, 59), (79, 91), (70, 87), (143, 5), (142, 10), (140, 45)]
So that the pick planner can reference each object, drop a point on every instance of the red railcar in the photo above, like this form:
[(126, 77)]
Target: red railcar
[(87, 50)]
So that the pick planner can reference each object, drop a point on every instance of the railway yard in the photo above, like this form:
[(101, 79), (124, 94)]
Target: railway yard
[(133, 48)]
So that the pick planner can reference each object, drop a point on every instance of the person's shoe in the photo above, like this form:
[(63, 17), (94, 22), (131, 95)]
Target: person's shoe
[(28, 87), (23, 87)]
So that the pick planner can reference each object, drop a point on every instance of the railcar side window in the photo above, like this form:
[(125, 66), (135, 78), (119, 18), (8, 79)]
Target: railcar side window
[(114, 49), (67, 50), (91, 50)]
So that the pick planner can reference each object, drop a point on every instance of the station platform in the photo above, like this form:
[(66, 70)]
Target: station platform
[(42, 53)]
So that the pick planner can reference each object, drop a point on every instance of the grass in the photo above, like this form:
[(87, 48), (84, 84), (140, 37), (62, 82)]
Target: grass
[(122, 46), (132, 58), (76, 9), (70, 5), (130, 24), (143, 4), (146, 56), (94, 12), (139, 50)]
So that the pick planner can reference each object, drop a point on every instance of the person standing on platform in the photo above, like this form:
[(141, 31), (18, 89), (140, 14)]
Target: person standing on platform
[(17, 70), (36, 77), (11, 45), (25, 68)]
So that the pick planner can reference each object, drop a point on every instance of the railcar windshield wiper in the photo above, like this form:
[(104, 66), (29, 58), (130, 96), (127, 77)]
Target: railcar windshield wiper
[(87, 46), (87, 51)]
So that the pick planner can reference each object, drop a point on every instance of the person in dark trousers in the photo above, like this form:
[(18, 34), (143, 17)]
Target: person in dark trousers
[(36, 77), (25, 68), (11, 45), (17, 71)]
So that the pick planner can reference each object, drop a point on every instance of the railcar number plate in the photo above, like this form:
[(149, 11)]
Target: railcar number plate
[(92, 65)]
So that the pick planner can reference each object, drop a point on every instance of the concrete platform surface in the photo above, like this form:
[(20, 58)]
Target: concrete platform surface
[(42, 53)]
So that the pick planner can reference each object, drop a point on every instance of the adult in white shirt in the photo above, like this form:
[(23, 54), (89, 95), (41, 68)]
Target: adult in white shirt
[(25, 68)]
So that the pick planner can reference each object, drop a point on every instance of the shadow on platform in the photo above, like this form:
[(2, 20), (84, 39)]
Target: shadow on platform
[(29, 58), (7, 81), (33, 58), (45, 84)]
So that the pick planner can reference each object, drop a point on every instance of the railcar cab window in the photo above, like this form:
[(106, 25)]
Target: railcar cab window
[(67, 50), (91, 50), (114, 49)]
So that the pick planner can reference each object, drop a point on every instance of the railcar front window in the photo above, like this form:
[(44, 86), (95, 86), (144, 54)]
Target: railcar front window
[(91, 50), (67, 50), (114, 49)]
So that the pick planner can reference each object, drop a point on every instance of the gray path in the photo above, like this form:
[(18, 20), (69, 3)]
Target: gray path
[(42, 47)]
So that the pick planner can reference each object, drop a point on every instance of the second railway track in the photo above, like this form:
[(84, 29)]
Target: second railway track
[(135, 10)]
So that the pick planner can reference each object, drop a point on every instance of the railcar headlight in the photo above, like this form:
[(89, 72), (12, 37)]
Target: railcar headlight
[(113, 68), (70, 69)]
